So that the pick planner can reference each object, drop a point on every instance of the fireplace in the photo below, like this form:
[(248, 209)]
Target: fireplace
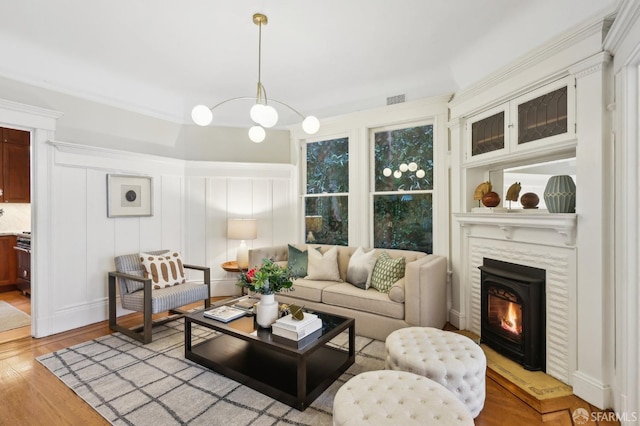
[(513, 311)]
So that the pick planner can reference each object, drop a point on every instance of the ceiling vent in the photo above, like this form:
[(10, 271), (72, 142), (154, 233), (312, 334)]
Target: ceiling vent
[(398, 99)]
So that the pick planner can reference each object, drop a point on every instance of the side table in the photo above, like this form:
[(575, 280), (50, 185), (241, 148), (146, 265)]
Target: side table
[(231, 266)]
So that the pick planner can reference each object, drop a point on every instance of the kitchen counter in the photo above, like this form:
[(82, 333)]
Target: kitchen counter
[(15, 233)]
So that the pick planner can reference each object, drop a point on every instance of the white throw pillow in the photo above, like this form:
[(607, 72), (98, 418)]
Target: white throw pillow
[(164, 270), (360, 268), (323, 267)]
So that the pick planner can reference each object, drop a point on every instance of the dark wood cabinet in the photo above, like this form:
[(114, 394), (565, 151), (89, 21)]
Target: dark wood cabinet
[(8, 261), (23, 279), (15, 179)]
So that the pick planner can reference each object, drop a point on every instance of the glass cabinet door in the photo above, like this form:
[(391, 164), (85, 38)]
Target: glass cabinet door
[(543, 117), (487, 135)]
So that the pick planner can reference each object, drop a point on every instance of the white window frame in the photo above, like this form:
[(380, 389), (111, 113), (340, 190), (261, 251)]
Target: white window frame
[(372, 178), (356, 126), (303, 173)]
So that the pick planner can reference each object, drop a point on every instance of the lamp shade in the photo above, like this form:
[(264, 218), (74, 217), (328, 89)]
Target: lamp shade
[(313, 223), (242, 229), (202, 115), (257, 134)]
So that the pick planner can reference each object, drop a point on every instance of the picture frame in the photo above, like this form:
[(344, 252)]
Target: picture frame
[(129, 195)]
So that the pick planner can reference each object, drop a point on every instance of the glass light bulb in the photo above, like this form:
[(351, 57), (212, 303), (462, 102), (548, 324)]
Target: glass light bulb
[(404, 167), (386, 172), (413, 166), (311, 125), (257, 134), (420, 174), (269, 116), (256, 113), (201, 115), (397, 174)]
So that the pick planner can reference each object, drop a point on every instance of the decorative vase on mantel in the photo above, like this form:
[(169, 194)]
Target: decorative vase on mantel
[(560, 194), (266, 310)]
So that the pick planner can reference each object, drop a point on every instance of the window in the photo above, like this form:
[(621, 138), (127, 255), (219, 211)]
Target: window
[(403, 188), (326, 199)]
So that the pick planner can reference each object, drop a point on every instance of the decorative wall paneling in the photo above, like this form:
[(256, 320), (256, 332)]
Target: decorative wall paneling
[(191, 203), (217, 192)]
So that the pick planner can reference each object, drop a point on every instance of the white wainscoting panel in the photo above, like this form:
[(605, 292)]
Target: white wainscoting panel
[(191, 206), (256, 191)]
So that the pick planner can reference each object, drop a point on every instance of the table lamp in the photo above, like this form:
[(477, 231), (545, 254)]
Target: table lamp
[(313, 224), (242, 229)]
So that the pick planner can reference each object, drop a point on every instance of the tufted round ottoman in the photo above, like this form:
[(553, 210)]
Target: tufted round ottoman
[(396, 398), (451, 359)]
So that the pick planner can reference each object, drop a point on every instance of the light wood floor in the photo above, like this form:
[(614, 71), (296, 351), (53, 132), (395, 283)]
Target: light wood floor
[(31, 395)]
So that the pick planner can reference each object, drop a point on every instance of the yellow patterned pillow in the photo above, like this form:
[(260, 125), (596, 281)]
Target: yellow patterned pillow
[(386, 272), (164, 270)]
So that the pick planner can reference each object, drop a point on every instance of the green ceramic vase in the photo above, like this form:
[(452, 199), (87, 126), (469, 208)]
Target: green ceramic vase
[(560, 194)]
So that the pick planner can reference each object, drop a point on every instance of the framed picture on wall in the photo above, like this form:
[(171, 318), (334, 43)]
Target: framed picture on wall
[(129, 196)]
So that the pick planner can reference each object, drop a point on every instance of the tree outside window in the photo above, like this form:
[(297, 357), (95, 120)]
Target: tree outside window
[(327, 189), (403, 194)]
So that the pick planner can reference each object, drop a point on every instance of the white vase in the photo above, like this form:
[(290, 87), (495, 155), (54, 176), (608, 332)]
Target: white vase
[(266, 310)]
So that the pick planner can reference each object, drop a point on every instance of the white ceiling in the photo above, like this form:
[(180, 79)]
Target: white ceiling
[(325, 57)]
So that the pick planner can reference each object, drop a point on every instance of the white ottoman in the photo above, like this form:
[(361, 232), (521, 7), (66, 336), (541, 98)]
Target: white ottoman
[(396, 398), (451, 359)]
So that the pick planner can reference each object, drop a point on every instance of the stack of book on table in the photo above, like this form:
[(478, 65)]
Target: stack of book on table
[(301, 331)]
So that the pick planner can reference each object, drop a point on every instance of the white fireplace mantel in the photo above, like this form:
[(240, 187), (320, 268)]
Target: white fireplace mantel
[(541, 240), (562, 223)]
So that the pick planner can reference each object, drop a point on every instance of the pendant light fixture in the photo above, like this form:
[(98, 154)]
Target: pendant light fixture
[(262, 113)]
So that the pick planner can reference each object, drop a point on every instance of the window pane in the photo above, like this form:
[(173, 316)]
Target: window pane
[(326, 220), (403, 221), (328, 166), (404, 159)]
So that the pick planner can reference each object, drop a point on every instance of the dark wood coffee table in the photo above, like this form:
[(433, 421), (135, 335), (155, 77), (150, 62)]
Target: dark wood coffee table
[(251, 356)]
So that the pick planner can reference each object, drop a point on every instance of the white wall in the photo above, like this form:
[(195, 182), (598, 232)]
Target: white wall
[(192, 201), (216, 192), (624, 42)]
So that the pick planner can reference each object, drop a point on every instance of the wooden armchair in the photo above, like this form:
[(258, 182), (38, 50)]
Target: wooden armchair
[(138, 294)]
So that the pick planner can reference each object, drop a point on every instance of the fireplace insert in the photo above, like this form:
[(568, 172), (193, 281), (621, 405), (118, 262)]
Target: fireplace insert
[(513, 318)]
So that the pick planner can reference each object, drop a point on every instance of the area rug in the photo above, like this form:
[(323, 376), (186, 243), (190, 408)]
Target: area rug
[(11, 317), (133, 384)]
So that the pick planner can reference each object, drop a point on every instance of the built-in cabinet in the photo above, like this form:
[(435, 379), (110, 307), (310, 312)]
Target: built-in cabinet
[(8, 261), (23, 278), (541, 119), (15, 179), (551, 108)]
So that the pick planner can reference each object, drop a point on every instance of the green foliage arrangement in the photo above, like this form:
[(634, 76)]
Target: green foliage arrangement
[(268, 279)]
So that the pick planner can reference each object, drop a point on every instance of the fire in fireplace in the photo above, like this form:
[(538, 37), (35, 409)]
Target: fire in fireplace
[(513, 311)]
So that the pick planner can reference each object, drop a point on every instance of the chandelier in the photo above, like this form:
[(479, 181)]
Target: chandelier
[(262, 113)]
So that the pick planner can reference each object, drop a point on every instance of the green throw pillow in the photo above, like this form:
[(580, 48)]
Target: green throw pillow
[(386, 272), (297, 262)]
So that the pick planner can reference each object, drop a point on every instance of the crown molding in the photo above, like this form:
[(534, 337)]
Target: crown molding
[(535, 57)]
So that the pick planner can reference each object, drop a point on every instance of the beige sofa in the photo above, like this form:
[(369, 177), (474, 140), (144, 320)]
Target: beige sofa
[(419, 299)]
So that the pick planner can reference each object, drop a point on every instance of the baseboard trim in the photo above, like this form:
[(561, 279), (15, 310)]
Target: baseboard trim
[(591, 390), (457, 319)]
